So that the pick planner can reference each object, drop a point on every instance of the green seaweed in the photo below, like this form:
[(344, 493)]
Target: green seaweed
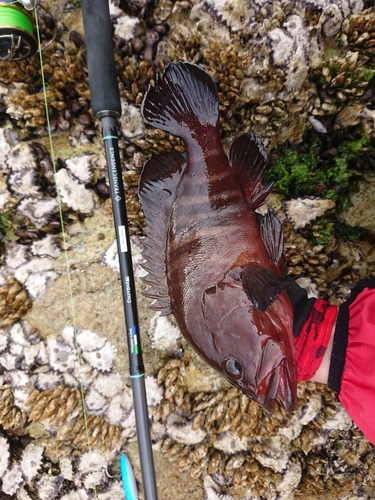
[(7, 227), (305, 174), (322, 232), (350, 233)]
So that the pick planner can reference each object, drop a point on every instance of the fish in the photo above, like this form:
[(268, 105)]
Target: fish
[(211, 260)]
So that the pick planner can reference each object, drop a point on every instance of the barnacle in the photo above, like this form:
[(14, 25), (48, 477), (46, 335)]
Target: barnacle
[(14, 302), (63, 409), (11, 417)]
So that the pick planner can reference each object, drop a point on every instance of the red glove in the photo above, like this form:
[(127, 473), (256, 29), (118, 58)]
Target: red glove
[(352, 366), (313, 323)]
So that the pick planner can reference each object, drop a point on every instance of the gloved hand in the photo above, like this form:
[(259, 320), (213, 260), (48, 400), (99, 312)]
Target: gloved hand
[(314, 320), (352, 363)]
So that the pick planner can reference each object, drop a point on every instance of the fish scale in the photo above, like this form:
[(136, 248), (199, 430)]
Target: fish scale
[(209, 261)]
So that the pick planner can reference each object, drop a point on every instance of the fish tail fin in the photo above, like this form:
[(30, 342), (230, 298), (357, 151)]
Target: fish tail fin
[(183, 102)]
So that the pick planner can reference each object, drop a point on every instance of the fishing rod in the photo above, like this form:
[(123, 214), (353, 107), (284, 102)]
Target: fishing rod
[(106, 106), (18, 42)]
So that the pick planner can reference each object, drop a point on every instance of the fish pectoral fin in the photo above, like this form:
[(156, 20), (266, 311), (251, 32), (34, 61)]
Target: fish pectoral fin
[(159, 182), (273, 239), (261, 285), (248, 159)]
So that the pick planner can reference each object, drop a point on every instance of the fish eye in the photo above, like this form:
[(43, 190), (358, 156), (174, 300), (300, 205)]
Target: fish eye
[(233, 368)]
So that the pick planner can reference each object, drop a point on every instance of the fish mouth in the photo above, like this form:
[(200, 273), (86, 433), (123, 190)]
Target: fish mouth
[(278, 386)]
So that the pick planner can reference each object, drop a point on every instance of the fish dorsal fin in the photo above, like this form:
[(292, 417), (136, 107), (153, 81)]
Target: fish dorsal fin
[(261, 285), (158, 186), (249, 159), (273, 239)]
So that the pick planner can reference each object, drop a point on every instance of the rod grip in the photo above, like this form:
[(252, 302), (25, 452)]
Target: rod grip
[(104, 89)]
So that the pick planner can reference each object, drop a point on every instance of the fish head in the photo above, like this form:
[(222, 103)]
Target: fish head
[(253, 350)]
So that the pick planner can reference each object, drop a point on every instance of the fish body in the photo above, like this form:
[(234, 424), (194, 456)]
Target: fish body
[(210, 261)]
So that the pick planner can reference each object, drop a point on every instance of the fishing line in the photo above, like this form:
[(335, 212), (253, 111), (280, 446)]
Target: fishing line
[(64, 241)]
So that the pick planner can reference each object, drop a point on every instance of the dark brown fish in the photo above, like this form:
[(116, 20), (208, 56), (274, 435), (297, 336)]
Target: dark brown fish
[(209, 261)]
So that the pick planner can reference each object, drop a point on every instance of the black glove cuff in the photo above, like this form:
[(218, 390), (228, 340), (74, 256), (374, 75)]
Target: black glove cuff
[(340, 340), (302, 306)]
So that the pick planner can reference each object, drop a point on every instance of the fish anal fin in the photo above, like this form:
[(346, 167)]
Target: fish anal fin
[(261, 285), (273, 239), (248, 159), (158, 186)]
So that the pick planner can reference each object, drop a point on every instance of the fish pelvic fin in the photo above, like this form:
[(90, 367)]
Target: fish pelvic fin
[(158, 185), (248, 158), (273, 239), (261, 285), (183, 102)]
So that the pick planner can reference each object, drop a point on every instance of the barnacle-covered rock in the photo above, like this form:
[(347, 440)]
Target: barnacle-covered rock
[(61, 409), (358, 30), (14, 302), (10, 416)]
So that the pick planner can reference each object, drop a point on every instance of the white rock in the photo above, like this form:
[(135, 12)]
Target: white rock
[(80, 167), (48, 381), (230, 444), (109, 385), (303, 211), (183, 432), (66, 468), (154, 391), (164, 335), (48, 487), (12, 479), (76, 495), (95, 402), (61, 356), (48, 246), (132, 124), (317, 125), (89, 341), (124, 27), (22, 157), (22, 494), (115, 413), (74, 194), (38, 211), (290, 481), (4, 340), (92, 461), (8, 360), (38, 283), (36, 265), (21, 333), (5, 147), (115, 492), (4, 455), (340, 421), (24, 183), (31, 460), (102, 359), (16, 256), (5, 195)]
